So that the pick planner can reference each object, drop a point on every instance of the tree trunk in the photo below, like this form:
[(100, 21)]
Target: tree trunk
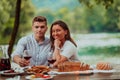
[(16, 27)]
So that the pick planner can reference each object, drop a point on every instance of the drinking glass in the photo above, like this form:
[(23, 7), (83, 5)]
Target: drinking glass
[(27, 54), (50, 59)]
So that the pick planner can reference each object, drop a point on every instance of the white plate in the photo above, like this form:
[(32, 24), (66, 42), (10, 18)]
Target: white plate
[(10, 74), (30, 78), (103, 71), (72, 72)]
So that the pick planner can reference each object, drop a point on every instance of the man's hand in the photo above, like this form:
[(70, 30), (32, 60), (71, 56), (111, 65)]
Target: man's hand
[(21, 61), (24, 62)]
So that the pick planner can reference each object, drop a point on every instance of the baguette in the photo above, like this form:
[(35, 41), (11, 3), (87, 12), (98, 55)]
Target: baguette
[(103, 66), (72, 66)]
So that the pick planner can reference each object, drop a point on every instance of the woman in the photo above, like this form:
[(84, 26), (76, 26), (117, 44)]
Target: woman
[(63, 46)]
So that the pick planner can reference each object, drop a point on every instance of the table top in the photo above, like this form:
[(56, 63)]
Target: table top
[(92, 76)]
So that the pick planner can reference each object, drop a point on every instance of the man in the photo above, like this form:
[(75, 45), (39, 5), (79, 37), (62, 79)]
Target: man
[(37, 43)]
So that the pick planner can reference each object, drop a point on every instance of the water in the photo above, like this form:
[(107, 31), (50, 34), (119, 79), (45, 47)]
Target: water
[(99, 47)]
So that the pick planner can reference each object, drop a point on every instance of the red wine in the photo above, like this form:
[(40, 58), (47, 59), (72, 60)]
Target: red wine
[(51, 61), (27, 57), (5, 64)]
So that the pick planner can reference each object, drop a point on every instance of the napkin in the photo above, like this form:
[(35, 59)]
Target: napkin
[(17, 68), (14, 78)]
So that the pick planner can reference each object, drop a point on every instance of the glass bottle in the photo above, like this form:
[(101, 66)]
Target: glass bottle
[(4, 60)]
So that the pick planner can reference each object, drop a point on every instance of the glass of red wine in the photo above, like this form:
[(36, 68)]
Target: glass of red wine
[(27, 54), (50, 59)]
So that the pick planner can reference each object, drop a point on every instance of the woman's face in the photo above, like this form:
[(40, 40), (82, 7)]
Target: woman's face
[(58, 32)]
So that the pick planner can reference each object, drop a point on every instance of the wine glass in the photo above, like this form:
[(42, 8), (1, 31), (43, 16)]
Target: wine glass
[(27, 54), (50, 59)]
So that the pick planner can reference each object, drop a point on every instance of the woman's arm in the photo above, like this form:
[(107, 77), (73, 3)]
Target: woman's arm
[(56, 54), (67, 52), (59, 58)]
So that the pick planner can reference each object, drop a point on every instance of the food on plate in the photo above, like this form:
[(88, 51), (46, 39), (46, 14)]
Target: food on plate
[(103, 66), (38, 69), (73, 66)]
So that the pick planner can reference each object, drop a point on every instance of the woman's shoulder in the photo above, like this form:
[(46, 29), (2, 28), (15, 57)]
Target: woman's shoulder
[(69, 43), (69, 47)]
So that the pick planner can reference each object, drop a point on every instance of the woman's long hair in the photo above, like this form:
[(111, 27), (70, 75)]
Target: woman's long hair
[(65, 27)]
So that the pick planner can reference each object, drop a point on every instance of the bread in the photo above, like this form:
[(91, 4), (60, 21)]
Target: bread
[(72, 66), (103, 66), (38, 69)]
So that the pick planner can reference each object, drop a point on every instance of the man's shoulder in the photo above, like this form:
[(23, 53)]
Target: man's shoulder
[(25, 38)]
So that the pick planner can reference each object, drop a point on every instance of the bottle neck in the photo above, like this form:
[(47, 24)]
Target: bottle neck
[(5, 52)]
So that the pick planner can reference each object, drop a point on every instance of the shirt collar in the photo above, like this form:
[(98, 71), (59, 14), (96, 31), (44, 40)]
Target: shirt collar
[(46, 41)]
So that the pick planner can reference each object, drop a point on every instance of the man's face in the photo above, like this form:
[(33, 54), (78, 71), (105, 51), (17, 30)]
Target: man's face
[(39, 29)]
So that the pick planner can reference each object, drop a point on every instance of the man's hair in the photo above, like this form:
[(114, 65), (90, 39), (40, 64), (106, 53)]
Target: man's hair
[(40, 19)]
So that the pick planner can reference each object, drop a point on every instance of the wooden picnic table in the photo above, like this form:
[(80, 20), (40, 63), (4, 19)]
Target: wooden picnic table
[(93, 76)]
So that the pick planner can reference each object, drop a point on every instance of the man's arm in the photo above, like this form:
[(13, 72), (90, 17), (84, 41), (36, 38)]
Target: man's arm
[(21, 61)]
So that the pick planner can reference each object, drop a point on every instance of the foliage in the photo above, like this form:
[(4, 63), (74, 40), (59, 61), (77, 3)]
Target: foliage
[(84, 19), (100, 19), (105, 3), (26, 16), (79, 17), (6, 19), (7, 8)]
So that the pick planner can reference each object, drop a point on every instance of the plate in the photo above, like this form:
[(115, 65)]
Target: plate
[(10, 74), (104, 71), (72, 72), (30, 78), (101, 71)]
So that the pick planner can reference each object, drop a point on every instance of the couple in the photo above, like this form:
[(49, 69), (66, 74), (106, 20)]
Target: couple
[(60, 44)]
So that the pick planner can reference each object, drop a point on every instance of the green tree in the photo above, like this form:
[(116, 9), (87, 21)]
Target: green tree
[(107, 19), (105, 3), (7, 10), (113, 17), (6, 21)]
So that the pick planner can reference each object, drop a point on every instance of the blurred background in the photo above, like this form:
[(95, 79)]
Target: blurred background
[(94, 24)]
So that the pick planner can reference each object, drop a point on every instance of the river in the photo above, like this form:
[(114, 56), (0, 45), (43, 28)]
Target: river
[(98, 47)]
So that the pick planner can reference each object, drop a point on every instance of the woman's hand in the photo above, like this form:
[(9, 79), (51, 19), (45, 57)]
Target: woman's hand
[(60, 60), (57, 43)]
